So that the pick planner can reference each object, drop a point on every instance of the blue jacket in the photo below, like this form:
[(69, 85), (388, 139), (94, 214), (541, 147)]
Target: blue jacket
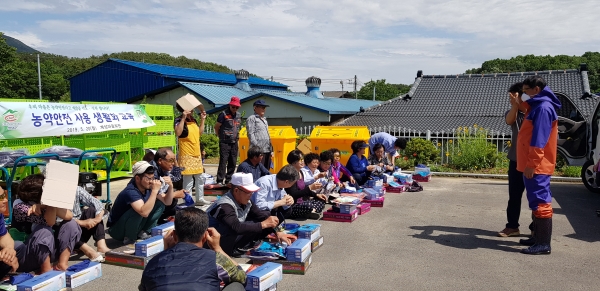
[(182, 267)]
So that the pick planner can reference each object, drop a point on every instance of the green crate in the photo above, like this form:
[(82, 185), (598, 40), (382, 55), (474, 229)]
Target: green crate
[(161, 126), (32, 145), (159, 141), (159, 110), (136, 140), (74, 141), (120, 145)]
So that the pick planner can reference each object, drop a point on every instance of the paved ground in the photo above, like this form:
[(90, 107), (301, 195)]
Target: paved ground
[(443, 238)]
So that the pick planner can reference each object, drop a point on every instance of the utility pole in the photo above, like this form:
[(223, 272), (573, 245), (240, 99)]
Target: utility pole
[(355, 96), (373, 89), (39, 76), (342, 83)]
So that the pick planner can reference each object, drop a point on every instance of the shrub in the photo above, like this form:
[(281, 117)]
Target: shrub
[(472, 150), (420, 151), (211, 145), (571, 171)]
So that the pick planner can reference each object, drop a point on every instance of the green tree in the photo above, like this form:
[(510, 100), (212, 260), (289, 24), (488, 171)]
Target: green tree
[(383, 90)]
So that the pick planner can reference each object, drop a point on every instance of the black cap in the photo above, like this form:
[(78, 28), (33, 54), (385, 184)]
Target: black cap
[(261, 103)]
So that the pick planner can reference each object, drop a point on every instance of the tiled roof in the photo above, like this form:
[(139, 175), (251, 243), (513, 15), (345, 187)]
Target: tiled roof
[(197, 75), (448, 102), (326, 104), (217, 94)]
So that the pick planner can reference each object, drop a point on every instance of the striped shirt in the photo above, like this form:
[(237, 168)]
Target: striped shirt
[(258, 133)]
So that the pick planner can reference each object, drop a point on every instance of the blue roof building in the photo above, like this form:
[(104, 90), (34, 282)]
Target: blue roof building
[(127, 81)]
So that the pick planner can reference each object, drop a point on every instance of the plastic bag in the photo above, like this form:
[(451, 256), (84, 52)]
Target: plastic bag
[(65, 152), (9, 156)]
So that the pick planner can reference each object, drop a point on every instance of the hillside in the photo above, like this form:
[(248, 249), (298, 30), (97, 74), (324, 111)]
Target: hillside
[(21, 47)]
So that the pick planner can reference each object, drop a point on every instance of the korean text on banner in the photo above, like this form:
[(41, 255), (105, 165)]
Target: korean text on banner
[(60, 184), (24, 119)]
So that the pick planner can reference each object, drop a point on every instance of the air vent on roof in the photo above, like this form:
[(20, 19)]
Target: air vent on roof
[(313, 84), (241, 78)]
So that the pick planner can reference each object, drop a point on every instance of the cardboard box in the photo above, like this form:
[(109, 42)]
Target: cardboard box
[(398, 189), (316, 244), (340, 217), (92, 272), (346, 208), (297, 268), (309, 231), (298, 251), (264, 277), (304, 146), (375, 202), (125, 257), (189, 102), (363, 208), (215, 192), (150, 247), (420, 178), (60, 184), (49, 281), (163, 229), (371, 194)]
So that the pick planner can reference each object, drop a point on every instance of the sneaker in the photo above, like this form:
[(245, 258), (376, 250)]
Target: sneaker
[(537, 250), (202, 202), (143, 235), (509, 232), (527, 242), (128, 241)]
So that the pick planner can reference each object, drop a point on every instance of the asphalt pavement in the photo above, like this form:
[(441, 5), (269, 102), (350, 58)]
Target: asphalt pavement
[(443, 238)]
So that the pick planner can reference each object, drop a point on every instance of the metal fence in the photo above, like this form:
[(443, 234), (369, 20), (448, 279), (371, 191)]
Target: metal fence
[(445, 141)]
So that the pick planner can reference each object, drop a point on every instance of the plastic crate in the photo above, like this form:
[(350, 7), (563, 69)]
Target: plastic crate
[(161, 126), (159, 110), (159, 141), (33, 145), (21, 100), (136, 139)]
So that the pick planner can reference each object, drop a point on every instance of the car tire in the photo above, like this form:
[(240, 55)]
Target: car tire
[(589, 178)]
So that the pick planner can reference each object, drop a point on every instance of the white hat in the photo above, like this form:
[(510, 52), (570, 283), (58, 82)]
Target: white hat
[(140, 167), (244, 180)]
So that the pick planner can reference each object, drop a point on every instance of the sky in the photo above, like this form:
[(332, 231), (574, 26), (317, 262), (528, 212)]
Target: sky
[(293, 40)]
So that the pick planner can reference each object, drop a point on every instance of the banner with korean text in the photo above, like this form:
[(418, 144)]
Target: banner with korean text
[(31, 119)]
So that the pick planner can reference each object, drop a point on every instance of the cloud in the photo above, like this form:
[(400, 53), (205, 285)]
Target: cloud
[(300, 38)]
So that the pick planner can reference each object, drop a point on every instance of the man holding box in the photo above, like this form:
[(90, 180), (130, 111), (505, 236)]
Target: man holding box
[(139, 206), (186, 265), (239, 221)]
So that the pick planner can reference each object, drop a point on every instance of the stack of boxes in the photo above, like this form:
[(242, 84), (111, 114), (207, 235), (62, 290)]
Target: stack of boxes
[(422, 174)]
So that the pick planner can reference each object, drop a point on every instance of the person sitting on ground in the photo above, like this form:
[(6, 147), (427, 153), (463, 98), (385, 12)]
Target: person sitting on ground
[(32, 255), (272, 196), (239, 221), (163, 161), (311, 169), (253, 164), (306, 201), (337, 169), (358, 164), (381, 162), (391, 144), (28, 209), (186, 265), (88, 213), (139, 206)]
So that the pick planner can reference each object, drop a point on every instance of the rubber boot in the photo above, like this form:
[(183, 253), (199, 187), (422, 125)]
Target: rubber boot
[(531, 240), (542, 236)]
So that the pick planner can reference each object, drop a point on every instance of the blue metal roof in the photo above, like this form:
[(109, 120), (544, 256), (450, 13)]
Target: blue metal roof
[(197, 75), (327, 104), (218, 95)]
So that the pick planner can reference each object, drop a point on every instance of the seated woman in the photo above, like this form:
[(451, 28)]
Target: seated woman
[(358, 164), (306, 201), (89, 213), (311, 169), (381, 162), (27, 209), (337, 169)]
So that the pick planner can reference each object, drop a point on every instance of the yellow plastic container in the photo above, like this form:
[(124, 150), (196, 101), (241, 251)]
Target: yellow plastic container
[(323, 138), (283, 139)]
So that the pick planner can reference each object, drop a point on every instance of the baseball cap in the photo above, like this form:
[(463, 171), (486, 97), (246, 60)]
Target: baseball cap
[(140, 167), (244, 180), (261, 103), (235, 101), (364, 145)]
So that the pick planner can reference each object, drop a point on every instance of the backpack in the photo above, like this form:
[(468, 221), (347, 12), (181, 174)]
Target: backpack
[(414, 187)]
